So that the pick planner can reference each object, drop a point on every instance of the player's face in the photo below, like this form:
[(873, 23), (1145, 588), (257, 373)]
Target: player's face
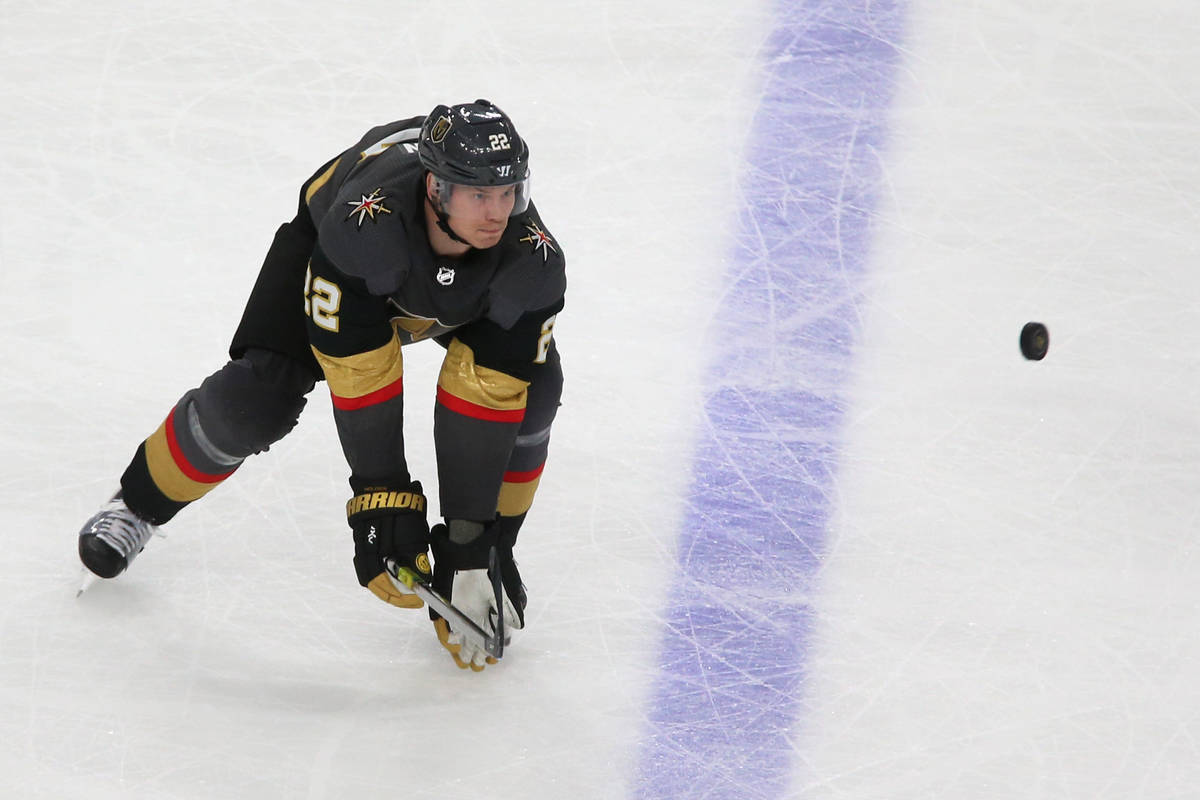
[(479, 214)]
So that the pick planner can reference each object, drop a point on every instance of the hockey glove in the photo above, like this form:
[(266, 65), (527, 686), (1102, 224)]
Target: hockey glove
[(460, 574), (390, 533)]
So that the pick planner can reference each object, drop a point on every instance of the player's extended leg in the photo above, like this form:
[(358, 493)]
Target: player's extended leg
[(241, 409), (248, 404), (461, 547)]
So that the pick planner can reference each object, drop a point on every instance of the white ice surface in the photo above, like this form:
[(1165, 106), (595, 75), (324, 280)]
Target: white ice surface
[(1009, 606), (147, 154)]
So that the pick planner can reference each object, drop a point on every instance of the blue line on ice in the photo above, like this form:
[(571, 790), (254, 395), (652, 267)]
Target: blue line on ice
[(730, 688)]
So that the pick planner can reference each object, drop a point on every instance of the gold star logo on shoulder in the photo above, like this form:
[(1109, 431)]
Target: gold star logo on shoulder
[(540, 240), (368, 206)]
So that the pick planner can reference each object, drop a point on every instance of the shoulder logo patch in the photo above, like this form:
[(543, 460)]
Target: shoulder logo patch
[(540, 240), (367, 207)]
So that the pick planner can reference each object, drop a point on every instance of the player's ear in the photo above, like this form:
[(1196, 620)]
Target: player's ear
[(435, 192)]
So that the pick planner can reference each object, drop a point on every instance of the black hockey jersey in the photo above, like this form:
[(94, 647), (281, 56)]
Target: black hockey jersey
[(374, 284)]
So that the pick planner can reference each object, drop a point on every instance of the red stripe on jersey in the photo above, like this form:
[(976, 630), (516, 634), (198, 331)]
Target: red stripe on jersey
[(181, 461), (524, 477), (393, 389), (469, 409)]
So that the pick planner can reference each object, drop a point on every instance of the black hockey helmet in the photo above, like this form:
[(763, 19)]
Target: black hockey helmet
[(474, 144)]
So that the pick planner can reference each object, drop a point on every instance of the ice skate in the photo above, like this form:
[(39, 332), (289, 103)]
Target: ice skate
[(111, 540)]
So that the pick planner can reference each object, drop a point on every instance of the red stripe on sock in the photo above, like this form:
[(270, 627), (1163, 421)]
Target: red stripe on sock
[(181, 461), (524, 477)]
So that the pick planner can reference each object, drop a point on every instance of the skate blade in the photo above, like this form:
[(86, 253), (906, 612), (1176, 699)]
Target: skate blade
[(86, 580)]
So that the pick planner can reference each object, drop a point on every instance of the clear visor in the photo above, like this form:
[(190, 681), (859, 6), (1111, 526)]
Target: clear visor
[(472, 199)]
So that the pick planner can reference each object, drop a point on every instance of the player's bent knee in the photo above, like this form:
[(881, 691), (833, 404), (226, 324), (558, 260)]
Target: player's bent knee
[(250, 403)]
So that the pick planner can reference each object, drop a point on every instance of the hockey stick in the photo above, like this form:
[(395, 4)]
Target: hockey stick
[(498, 599), (493, 645)]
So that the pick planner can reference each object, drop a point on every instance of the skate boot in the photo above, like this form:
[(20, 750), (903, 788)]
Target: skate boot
[(111, 540)]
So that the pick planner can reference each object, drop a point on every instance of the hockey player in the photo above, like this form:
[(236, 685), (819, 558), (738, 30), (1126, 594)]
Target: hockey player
[(422, 230)]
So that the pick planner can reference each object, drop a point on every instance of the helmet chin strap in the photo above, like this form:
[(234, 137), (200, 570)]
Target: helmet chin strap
[(443, 222)]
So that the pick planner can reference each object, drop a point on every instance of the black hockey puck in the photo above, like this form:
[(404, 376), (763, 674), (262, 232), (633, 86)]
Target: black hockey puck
[(1035, 341)]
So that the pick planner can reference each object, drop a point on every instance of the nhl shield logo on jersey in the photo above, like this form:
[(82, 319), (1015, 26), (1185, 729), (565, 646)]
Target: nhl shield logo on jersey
[(540, 240), (367, 207), (445, 275)]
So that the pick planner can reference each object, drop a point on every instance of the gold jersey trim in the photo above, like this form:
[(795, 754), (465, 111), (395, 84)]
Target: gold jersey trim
[(481, 386), (319, 181), (364, 373)]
